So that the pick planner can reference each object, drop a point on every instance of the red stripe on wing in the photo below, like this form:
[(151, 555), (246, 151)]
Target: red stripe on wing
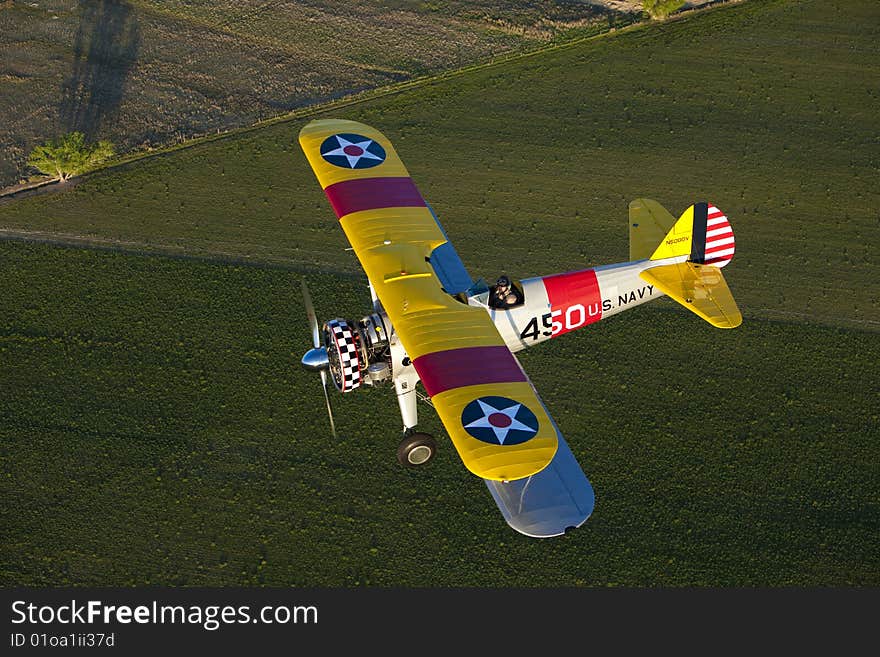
[(373, 193), (468, 366)]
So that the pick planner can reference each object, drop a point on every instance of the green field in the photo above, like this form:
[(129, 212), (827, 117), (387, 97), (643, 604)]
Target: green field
[(156, 427)]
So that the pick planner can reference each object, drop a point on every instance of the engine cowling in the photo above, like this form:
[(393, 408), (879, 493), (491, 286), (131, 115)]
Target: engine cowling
[(358, 352), (343, 342)]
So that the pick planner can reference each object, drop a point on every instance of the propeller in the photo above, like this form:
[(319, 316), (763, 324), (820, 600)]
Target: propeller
[(315, 359), (327, 399)]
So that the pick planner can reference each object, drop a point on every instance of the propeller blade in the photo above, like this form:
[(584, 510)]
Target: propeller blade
[(316, 342), (310, 313), (327, 398)]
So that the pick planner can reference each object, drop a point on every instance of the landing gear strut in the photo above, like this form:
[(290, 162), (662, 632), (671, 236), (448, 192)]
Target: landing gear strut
[(416, 450)]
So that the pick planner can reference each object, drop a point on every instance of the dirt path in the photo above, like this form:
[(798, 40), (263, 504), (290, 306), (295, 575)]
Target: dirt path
[(17, 192), (632, 6), (131, 247)]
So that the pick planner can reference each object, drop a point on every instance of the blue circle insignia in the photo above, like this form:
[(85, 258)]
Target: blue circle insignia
[(499, 421), (352, 151)]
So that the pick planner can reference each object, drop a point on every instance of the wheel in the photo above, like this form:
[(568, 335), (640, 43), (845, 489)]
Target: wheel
[(416, 450)]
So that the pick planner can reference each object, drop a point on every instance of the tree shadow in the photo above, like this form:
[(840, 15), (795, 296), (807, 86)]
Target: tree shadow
[(104, 51)]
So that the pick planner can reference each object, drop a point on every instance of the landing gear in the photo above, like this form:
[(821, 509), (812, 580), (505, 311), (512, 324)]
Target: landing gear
[(416, 450)]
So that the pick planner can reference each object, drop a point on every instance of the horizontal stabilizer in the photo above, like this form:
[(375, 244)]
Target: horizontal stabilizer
[(548, 503), (699, 288)]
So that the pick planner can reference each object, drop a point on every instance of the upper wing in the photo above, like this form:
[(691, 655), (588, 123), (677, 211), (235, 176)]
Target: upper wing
[(484, 399)]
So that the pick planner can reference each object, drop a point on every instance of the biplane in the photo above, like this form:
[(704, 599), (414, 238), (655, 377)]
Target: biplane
[(433, 324)]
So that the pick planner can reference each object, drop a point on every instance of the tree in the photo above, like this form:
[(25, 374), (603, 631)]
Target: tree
[(662, 8), (69, 155)]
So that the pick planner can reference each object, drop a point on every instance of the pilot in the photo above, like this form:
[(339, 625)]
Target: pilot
[(504, 295)]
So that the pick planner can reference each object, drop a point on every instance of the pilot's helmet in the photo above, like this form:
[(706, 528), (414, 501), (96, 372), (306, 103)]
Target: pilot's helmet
[(503, 281)]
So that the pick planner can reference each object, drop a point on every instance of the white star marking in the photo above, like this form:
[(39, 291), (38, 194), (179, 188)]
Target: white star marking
[(500, 432), (353, 159)]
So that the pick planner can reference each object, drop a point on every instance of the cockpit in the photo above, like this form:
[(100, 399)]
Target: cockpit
[(505, 294)]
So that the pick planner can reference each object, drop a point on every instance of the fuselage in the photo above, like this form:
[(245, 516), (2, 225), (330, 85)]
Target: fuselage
[(551, 306), (560, 303)]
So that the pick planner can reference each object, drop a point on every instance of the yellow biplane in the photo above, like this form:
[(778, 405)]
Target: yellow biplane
[(433, 324)]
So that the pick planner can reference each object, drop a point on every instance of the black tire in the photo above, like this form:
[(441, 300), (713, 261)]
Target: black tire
[(416, 450)]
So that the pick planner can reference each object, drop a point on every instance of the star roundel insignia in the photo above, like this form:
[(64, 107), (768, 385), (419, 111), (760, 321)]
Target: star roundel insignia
[(352, 151), (499, 421)]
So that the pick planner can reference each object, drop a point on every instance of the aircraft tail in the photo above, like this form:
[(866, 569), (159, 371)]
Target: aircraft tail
[(702, 233), (698, 244)]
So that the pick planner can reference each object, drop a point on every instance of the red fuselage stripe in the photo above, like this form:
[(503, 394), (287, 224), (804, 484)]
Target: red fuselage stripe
[(373, 193), (572, 287), (468, 366), (567, 291)]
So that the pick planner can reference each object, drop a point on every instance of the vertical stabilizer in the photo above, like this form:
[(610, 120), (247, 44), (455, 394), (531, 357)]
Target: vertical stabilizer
[(702, 233), (649, 222)]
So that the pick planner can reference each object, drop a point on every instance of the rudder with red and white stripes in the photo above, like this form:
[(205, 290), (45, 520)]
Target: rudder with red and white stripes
[(702, 233), (716, 238)]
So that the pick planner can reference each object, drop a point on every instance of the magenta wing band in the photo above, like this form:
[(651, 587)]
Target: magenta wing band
[(468, 366), (373, 194)]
